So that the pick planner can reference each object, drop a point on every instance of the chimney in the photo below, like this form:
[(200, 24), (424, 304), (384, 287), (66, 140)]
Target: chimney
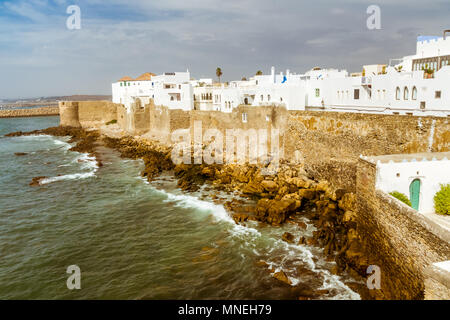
[(272, 74)]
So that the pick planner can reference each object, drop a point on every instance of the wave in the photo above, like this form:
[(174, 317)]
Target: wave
[(291, 255), (74, 176), (86, 161)]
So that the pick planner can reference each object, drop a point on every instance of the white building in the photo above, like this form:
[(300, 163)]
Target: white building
[(416, 85), (418, 176), (171, 89)]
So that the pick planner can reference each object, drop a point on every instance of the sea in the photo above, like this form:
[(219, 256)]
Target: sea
[(131, 239)]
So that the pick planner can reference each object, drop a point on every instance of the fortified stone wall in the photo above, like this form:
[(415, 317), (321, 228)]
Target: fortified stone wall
[(330, 142), (245, 118), (87, 114), (437, 281), (397, 238), (96, 113), (68, 112)]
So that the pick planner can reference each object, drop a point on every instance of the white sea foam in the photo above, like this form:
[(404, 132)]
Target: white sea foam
[(292, 255), (74, 176), (66, 145), (86, 161)]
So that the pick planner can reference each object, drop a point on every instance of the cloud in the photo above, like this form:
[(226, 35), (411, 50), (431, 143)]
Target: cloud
[(39, 56)]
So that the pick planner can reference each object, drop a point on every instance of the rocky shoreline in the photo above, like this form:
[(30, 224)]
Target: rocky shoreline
[(275, 199)]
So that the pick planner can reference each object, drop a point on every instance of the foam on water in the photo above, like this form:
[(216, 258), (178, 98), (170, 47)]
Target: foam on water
[(293, 255), (74, 176)]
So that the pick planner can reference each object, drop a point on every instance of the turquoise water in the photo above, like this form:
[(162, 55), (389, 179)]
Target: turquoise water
[(131, 239)]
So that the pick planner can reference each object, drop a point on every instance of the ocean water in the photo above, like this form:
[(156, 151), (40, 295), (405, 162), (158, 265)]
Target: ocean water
[(132, 239)]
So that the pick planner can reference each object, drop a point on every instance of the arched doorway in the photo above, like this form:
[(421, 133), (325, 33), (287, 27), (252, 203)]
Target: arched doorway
[(414, 193), (246, 101)]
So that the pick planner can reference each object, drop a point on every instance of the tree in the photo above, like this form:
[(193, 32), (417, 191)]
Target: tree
[(259, 73), (219, 73)]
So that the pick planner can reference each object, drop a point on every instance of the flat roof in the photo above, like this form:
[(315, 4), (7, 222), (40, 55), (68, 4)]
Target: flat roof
[(408, 157)]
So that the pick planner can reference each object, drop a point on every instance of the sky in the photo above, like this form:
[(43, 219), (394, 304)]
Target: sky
[(40, 56)]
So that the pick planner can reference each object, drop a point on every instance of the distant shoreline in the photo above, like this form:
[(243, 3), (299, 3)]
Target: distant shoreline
[(36, 112)]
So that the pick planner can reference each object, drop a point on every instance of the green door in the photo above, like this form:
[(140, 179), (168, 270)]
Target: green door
[(414, 193)]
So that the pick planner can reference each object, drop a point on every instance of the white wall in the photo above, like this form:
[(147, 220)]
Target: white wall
[(397, 176)]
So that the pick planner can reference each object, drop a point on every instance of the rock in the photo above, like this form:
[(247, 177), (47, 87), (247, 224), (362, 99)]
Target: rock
[(349, 216), (352, 235), (307, 193), (262, 263), (302, 225), (279, 210), (335, 270), (20, 154), (208, 171), (300, 182), (303, 271), (302, 241), (311, 242), (253, 188), (322, 292), (240, 217), (348, 202), (288, 237), (36, 181), (283, 191), (269, 186), (281, 276)]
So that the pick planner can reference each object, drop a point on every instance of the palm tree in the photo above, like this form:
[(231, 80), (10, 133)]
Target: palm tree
[(259, 73), (219, 73)]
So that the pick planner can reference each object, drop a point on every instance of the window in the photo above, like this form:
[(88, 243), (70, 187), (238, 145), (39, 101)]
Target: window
[(317, 93), (281, 99), (356, 94), (262, 98), (121, 84), (405, 93), (437, 95), (414, 93), (244, 117), (397, 93), (268, 97)]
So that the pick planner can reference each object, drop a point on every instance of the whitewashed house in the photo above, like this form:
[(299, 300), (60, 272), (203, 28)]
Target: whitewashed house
[(417, 85), (171, 89), (419, 176)]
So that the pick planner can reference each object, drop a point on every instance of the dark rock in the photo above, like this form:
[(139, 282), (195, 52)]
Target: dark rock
[(288, 237), (36, 181)]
